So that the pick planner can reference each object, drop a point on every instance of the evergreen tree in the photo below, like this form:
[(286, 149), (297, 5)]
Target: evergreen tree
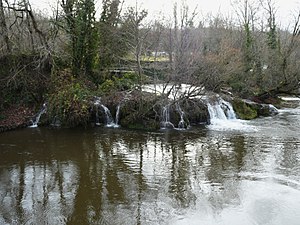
[(111, 47), (80, 16), (272, 35)]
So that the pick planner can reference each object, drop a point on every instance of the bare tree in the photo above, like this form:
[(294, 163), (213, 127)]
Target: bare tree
[(4, 28), (135, 35), (293, 44), (183, 41), (247, 12), (23, 11)]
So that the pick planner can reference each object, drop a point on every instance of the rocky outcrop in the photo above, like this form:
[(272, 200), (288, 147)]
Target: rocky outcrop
[(195, 111), (146, 111), (140, 110), (247, 110)]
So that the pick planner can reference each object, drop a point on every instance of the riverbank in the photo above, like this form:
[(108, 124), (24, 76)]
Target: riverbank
[(15, 117), (147, 111)]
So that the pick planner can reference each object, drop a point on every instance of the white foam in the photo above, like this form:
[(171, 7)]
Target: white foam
[(234, 125), (290, 98), (222, 117)]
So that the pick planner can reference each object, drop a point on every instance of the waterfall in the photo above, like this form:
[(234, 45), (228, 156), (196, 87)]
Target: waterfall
[(36, 120), (117, 115), (97, 117), (273, 110), (181, 124), (165, 123), (108, 116), (220, 111), (216, 112), (109, 120), (228, 110), (223, 117)]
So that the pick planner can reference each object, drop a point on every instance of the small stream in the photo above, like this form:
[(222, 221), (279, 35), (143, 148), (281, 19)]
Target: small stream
[(228, 173)]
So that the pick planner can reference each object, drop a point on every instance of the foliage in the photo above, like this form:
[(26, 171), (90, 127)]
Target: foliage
[(125, 82), (272, 32), (139, 112), (248, 47), (246, 58), (21, 82), (80, 17), (111, 43), (243, 110), (272, 37), (240, 86), (69, 100)]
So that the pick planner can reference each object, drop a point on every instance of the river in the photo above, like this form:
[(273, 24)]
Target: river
[(244, 173)]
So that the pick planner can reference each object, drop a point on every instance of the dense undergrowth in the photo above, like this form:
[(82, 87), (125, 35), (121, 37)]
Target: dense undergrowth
[(70, 98)]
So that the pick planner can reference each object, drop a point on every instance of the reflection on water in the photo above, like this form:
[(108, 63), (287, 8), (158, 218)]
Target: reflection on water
[(115, 176)]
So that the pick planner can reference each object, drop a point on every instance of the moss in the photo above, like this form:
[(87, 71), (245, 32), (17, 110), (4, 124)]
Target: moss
[(121, 82), (135, 120), (140, 112), (243, 110), (195, 111)]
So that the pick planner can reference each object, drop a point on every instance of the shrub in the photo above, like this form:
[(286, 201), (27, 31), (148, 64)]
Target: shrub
[(69, 100), (125, 82)]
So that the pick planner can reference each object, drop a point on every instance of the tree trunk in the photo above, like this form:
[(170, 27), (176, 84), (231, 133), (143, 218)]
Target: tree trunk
[(4, 27)]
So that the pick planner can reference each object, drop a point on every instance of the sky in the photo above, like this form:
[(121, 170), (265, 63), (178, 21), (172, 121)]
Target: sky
[(286, 9)]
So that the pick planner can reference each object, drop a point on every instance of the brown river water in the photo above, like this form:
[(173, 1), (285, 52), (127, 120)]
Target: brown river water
[(246, 173)]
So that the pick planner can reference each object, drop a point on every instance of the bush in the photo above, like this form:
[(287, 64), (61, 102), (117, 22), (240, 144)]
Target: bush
[(69, 100), (125, 82), (22, 81)]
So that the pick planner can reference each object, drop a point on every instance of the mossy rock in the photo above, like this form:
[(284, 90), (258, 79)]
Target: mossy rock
[(195, 110), (139, 112), (243, 110)]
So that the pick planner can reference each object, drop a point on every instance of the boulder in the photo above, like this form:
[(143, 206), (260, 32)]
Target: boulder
[(247, 110)]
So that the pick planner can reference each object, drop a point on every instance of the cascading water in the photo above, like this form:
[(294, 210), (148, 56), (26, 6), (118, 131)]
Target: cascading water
[(166, 123), (108, 117), (273, 110), (216, 113), (117, 115), (97, 117), (220, 111), (36, 120), (223, 117), (228, 110), (181, 124)]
